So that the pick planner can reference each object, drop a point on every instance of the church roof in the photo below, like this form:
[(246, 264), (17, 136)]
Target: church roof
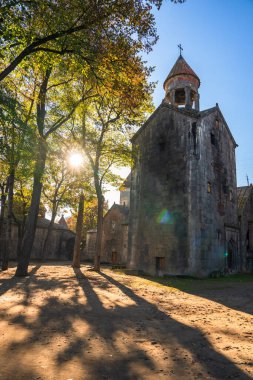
[(62, 222), (193, 113), (181, 67), (124, 210), (44, 223), (207, 112)]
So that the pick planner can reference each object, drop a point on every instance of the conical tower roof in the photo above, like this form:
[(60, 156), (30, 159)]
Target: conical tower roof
[(181, 67), (62, 222)]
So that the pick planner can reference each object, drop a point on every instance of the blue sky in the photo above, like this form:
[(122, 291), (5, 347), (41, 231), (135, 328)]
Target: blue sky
[(217, 38)]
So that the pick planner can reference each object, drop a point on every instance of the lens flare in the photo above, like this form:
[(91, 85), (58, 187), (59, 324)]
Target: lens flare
[(164, 217)]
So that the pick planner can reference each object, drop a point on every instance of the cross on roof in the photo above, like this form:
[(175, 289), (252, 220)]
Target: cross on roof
[(180, 49)]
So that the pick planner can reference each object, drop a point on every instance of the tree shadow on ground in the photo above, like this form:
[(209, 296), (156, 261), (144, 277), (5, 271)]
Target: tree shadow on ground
[(9, 283), (118, 329), (240, 298)]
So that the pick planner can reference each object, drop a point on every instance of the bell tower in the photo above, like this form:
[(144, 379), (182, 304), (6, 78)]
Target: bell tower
[(181, 85)]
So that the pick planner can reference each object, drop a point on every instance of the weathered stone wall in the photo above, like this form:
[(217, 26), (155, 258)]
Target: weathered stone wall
[(159, 193), (212, 195), (246, 226), (60, 246), (90, 249)]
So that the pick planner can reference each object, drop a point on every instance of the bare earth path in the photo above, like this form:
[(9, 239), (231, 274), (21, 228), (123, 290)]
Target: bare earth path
[(65, 324)]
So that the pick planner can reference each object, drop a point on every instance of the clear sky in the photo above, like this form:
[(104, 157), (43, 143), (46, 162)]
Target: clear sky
[(217, 38)]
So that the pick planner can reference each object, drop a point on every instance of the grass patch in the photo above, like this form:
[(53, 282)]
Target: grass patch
[(191, 284)]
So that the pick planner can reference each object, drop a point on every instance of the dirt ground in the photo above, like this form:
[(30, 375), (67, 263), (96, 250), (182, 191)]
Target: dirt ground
[(64, 324)]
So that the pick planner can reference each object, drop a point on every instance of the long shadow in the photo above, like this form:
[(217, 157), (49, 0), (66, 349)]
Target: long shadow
[(170, 332), (106, 325), (9, 283), (235, 292)]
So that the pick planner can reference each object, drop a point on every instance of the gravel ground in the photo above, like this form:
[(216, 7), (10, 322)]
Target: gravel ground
[(64, 324)]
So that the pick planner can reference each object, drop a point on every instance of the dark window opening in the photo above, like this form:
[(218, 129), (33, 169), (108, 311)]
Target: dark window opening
[(161, 144), (180, 97), (213, 139), (224, 187), (113, 226), (194, 135)]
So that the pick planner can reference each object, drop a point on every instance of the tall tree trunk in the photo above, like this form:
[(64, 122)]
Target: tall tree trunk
[(79, 228), (11, 178), (49, 233), (31, 221), (2, 224), (3, 201), (100, 199), (21, 231)]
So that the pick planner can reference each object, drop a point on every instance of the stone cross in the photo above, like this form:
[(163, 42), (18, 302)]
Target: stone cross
[(180, 49)]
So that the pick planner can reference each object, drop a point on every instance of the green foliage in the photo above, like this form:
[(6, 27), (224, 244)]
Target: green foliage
[(84, 28)]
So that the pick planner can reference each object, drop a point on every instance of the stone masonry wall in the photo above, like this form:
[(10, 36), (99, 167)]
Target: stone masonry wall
[(159, 194)]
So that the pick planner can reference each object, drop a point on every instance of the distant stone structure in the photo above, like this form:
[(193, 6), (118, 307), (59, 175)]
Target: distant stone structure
[(125, 191), (90, 248), (183, 201), (115, 235), (60, 245), (115, 231), (245, 217)]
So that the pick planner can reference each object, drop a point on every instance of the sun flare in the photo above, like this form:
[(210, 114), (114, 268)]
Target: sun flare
[(76, 159)]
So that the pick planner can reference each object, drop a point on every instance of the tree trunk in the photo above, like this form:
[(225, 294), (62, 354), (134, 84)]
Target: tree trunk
[(79, 228), (3, 200), (11, 178), (30, 228), (2, 225), (99, 231), (21, 231)]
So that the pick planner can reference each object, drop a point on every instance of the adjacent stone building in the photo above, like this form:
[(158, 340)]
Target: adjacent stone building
[(60, 244), (183, 200), (245, 215), (115, 231), (115, 235), (90, 246)]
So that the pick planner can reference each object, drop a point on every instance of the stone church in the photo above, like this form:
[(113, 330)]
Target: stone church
[(180, 210), (183, 216)]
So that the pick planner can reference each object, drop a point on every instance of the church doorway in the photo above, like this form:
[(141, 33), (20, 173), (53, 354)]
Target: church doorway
[(231, 255), (159, 265), (114, 257)]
